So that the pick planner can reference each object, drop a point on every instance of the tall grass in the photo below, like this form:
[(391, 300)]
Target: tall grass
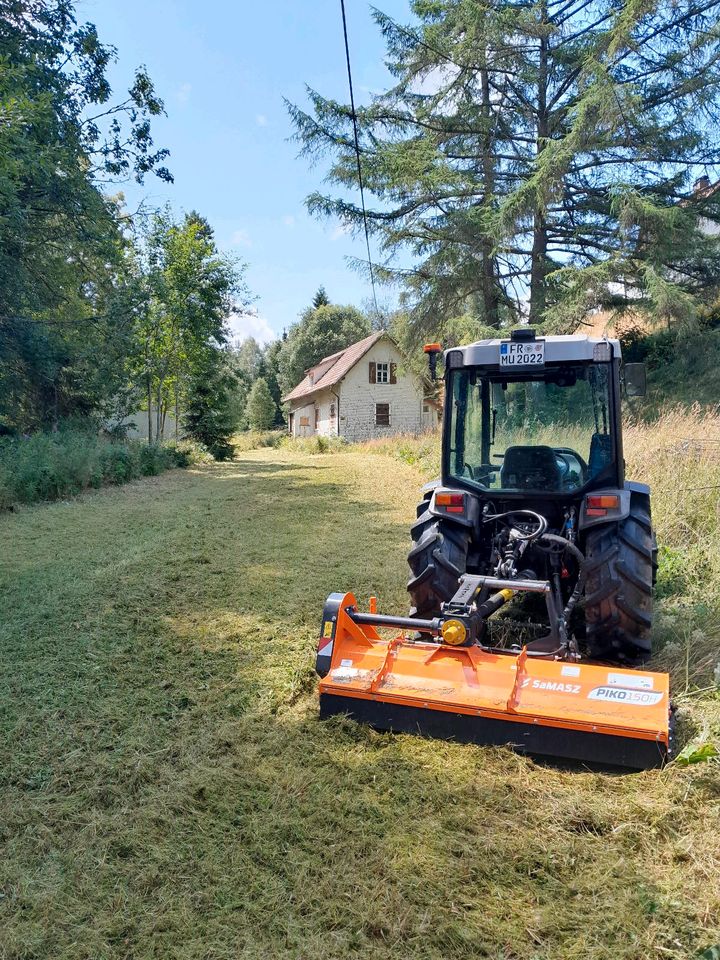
[(52, 466)]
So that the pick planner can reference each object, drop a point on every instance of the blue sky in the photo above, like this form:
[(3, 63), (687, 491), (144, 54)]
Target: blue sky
[(223, 69)]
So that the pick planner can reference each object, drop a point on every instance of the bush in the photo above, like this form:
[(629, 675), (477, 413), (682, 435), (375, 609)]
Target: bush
[(48, 466), (187, 452), (315, 444), (255, 439)]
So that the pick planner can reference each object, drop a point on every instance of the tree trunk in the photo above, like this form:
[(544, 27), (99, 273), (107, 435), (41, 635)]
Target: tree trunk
[(489, 285), (538, 266), (149, 410)]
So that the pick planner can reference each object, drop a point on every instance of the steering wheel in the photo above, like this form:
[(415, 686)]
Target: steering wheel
[(563, 465), (569, 454)]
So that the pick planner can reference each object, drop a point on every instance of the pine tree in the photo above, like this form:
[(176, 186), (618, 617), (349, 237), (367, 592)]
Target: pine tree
[(208, 413), (321, 298), (261, 409), (535, 155)]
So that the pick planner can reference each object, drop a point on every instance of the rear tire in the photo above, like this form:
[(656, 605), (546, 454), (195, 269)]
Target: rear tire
[(437, 560), (618, 592)]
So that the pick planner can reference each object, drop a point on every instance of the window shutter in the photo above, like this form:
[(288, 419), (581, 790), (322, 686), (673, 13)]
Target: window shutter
[(372, 371), (393, 373)]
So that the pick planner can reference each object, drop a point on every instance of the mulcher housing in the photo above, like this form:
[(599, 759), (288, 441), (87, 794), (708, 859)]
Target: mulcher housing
[(543, 707)]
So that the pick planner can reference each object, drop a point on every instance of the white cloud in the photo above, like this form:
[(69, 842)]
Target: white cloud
[(261, 120), (241, 238), (342, 230), (251, 324), (183, 92), (289, 220)]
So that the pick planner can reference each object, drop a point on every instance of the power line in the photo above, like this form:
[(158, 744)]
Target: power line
[(357, 156)]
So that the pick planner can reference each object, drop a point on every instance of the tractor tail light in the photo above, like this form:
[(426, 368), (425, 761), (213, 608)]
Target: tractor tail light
[(452, 502), (598, 506), (607, 502)]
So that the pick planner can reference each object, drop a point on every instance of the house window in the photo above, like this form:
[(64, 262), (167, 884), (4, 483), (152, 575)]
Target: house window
[(304, 421), (317, 417), (382, 373), (426, 408), (332, 411), (382, 414)]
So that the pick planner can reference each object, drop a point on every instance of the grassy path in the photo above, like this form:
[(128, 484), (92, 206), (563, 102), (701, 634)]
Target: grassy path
[(166, 790)]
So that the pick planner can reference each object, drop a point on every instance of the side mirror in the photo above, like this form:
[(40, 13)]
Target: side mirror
[(635, 379)]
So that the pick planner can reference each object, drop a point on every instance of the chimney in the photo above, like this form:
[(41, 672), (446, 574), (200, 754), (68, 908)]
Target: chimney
[(701, 184)]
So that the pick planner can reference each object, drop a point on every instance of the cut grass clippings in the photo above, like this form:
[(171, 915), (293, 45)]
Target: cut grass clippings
[(168, 790)]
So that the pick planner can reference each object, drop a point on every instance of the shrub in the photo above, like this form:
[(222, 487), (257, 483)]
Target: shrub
[(255, 439), (315, 444), (117, 463), (187, 452), (48, 466)]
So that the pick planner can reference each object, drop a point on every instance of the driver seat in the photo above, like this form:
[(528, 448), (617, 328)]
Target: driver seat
[(530, 468)]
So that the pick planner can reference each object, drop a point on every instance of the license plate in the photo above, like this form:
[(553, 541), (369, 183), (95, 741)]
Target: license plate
[(529, 354)]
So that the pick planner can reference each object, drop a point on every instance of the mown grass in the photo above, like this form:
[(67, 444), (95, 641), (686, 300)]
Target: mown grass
[(168, 791)]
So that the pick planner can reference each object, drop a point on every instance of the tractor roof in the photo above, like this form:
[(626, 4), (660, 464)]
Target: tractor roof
[(569, 348)]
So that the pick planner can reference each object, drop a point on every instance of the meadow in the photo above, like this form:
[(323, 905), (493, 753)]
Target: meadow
[(167, 789)]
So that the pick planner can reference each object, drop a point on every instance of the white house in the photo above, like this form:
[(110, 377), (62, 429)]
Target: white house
[(359, 393)]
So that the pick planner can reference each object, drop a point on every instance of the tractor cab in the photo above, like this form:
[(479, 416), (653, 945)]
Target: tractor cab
[(527, 419)]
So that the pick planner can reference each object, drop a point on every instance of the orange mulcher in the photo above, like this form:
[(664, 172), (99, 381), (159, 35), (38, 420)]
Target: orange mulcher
[(540, 706), (532, 520)]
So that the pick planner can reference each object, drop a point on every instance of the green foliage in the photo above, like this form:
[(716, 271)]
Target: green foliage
[(315, 445), (693, 753), (682, 364), (186, 291), (51, 466), (208, 411), (63, 305), (250, 362), (548, 164), (261, 410), (319, 333), (320, 299), (271, 373), (257, 439)]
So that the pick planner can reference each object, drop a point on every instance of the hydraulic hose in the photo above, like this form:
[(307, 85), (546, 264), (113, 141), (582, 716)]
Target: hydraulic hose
[(533, 535), (553, 539)]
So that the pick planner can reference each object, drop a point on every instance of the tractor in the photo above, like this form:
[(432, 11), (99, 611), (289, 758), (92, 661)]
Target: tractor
[(533, 564), (533, 488)]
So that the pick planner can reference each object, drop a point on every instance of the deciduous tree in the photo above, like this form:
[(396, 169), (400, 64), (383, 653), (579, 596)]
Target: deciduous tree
[(319, 333), (63, 138)]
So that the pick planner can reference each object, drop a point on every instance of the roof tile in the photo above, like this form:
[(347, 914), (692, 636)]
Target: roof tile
[(332, 369)]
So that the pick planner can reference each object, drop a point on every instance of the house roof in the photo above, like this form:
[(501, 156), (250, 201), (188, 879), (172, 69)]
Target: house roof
[(332, 369)]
